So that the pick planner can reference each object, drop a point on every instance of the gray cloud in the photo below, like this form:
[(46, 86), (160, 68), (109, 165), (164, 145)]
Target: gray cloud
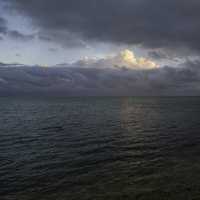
[(18, 55), (19, 36), (64, 38), (3, 26), (45, 38), (158, 55), (152, 23), (69, 81), (53, 49), (14, 34)]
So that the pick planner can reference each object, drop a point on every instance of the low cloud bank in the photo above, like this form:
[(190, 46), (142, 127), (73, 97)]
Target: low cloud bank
[(88, 81)]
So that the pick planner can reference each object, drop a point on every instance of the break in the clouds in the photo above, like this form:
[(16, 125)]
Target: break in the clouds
[(151, 23)]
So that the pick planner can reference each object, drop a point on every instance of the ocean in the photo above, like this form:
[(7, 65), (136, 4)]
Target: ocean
[(99, 148)]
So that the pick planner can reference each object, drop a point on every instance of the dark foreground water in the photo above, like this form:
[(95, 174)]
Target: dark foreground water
[(100, 148)]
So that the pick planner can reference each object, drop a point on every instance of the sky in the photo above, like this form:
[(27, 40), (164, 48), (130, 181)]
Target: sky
[(51, 32), (157, 37)]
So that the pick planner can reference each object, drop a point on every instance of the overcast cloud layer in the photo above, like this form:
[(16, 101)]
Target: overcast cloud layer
[(152, 23)]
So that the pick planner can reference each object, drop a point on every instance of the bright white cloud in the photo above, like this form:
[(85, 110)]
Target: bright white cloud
[(125, 59)]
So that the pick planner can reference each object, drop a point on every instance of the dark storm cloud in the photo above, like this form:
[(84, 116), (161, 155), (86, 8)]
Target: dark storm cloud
[(152, 23), (184, 80)]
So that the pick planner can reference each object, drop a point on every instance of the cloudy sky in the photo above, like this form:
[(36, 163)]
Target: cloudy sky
[(113, 38), (50, 32)]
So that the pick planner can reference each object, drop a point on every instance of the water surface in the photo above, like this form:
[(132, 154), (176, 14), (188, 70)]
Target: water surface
[(99, 148)]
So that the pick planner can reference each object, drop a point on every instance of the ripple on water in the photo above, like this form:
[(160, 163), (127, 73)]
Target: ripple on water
[(100, 148)]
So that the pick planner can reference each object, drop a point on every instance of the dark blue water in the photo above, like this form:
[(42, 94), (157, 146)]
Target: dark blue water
[(100, 148)]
